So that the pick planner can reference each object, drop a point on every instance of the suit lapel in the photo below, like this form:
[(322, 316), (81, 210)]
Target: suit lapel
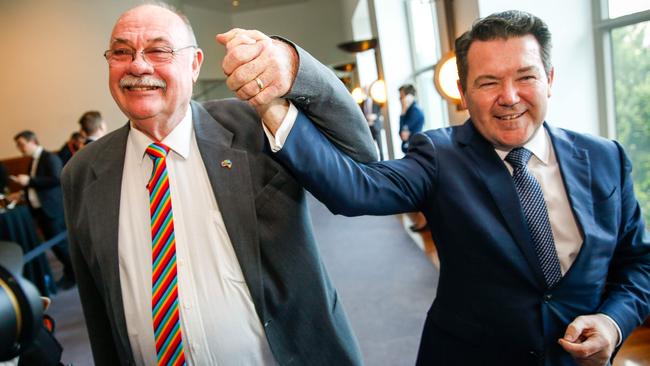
[(576, 175), (230, 177), (498, 182), (102, 197)]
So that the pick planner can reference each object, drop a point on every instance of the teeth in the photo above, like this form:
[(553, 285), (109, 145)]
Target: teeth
[(141, 88), (509, 117)]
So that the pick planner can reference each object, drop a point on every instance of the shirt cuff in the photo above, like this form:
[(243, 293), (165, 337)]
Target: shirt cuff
[(618, 329), (282, 133)]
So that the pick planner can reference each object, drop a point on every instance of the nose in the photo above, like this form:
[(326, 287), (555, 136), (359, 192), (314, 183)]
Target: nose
[(509, 94), (139, 65)]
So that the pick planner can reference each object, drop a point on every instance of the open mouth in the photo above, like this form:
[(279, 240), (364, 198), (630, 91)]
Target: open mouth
[(508, 117), (141, 88)]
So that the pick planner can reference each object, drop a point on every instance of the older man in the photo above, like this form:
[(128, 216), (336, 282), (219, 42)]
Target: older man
[(191, 245), (544, 256)]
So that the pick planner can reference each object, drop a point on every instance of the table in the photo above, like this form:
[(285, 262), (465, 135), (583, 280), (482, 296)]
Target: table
[(16, 225)]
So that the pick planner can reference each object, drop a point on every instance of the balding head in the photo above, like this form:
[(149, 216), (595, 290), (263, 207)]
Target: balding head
[(154, 91), (164, 9)]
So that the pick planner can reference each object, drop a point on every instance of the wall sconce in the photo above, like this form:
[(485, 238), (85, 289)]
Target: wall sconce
[(446, 78), (358, 95), (378, 91)]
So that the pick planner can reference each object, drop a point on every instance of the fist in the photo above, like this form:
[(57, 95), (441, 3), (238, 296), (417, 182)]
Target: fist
[(257, 68)]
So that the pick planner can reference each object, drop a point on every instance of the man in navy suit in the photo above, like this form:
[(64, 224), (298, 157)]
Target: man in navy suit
[(505, 296)]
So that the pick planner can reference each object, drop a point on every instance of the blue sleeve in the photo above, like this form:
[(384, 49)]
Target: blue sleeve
[(350, 188), (627, 299)]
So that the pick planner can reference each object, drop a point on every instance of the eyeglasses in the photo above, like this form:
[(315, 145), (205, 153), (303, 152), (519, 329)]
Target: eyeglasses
[(154, 56)]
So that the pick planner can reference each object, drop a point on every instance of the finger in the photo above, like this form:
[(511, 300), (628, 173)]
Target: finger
[(239, 56), (585, 349), (238, 41), (224, 38), (249, 90), (265, 96), (575, 329), (245, 74)]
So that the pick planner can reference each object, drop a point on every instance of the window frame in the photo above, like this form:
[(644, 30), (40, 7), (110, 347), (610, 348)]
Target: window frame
[(603, 25)]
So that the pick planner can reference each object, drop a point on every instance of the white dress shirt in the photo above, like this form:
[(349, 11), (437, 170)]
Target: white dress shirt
[(544, 166), (218, 319), (32, 195)]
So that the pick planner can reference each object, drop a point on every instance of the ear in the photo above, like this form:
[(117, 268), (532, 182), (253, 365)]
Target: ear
[(196, 64), (551, 75), (463, 101)]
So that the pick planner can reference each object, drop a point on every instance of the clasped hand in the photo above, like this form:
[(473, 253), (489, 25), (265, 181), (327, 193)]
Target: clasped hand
[(590, 340)]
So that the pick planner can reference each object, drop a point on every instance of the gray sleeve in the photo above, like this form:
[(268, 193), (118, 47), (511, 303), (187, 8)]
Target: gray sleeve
[(325, 100)]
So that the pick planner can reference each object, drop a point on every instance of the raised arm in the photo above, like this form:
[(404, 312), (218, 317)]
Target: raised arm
[(351, 188), (260, 69)]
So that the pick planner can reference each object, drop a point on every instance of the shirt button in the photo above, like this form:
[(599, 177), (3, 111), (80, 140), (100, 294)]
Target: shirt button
[(181, 263), (187, 305), (547, 297)]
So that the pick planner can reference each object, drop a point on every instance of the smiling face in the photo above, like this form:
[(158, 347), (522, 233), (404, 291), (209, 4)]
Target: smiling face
[(507, 89), (155, 98)]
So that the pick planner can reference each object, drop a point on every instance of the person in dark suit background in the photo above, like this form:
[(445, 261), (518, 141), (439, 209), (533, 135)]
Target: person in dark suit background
[(74, 143), (42, 190), (544, 254), (248, 276), (4, 178), (92, 125), (411, 120)]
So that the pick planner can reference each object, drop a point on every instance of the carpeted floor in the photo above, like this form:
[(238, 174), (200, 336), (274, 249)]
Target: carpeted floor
[(384, 281)]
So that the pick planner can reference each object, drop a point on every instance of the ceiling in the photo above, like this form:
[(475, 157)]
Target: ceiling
[(226, 6)]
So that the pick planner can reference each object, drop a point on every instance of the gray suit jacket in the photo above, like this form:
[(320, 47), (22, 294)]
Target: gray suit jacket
[(264, 212)]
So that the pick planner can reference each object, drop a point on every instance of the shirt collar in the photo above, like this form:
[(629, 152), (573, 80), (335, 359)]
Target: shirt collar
[(539, 145), (178, 140), (37, 152)]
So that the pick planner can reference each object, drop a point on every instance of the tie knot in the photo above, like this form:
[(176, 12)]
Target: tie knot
[(157, 150), (518, 157)]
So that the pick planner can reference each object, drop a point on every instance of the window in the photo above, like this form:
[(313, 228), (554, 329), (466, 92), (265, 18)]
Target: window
[(623, 27), (425, 52)]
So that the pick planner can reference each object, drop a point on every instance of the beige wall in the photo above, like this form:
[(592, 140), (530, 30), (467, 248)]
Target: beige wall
[(52, 69), (206, 24), (316, 25)]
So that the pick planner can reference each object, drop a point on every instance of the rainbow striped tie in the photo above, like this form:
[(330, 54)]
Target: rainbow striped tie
[(164, 304)]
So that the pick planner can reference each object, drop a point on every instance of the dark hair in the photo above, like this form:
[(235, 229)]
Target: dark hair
[(90, 122), (504, 25), (408, 89), (27, 135)]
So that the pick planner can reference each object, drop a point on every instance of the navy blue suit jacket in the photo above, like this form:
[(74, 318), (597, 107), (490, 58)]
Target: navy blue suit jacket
[(47, 184), (492, 306)]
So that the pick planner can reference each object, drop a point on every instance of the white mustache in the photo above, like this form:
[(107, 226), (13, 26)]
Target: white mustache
[(129, 81)]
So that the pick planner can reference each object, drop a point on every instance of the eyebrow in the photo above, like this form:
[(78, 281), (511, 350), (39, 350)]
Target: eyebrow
[(488, 77), (128, 43), (527, 69)]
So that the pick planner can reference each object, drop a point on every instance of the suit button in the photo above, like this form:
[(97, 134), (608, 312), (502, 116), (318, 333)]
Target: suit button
[(266, 323), (535, 354), (547, 297)]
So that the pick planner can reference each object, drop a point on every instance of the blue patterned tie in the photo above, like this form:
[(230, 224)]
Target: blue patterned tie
[(532, 202)]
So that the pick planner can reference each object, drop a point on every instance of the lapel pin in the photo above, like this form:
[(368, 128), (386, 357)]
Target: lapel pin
[(226, 164)]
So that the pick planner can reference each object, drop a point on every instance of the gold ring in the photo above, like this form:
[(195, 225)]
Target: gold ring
[(260, 84)]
